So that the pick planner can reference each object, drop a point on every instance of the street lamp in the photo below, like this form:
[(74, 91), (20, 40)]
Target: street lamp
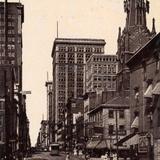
[(148, 135)]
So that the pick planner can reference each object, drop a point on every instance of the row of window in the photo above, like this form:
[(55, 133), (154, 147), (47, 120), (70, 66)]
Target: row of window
[(105, 65), (10, 16), (70, 56), (10, 31), (104, 85), (105, 78), (105, 59), (79, 61), (10, 39), (112, 130), (10, 24), (9, 47), (61, 98), (1, 120), (62, 79), (10, 54), (1, 105), (1, 136), (112, 113), (105, 70), (79, 49), (12, 62)]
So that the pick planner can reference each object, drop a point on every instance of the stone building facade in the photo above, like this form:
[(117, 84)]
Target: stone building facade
[(145, 96), (101, 73), (69, 65), (134, 35)]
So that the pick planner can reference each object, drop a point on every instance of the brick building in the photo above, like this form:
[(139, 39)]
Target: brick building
[(12, 101), (109, 121), (144, 97), (133, 37)]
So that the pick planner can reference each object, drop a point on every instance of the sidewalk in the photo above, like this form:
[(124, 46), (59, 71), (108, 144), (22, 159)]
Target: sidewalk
[(75, 157), (82, 157)]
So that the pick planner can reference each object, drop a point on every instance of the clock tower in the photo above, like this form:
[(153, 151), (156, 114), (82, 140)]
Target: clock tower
[(134, 35)]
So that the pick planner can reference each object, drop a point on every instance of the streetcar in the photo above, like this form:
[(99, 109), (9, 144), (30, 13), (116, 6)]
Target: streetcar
[(54, 149)]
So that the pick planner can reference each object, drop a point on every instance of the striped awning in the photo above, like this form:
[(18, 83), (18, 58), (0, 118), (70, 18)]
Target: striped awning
[(92, 144), (156, 89), (102, 145), (148, 92), (135, 123)]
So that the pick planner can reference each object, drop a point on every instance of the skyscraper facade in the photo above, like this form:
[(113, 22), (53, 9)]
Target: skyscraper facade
[(69, 65), (11, 19), (50, 115), (101, 72)]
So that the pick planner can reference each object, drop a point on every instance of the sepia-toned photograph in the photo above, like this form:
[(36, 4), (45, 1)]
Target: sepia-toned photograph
[(79, 80)]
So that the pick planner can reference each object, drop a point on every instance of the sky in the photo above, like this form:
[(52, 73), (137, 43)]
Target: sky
[(76, 19)]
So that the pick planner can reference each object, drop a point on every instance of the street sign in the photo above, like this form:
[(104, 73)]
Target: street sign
[(25, 92), (143, 144)]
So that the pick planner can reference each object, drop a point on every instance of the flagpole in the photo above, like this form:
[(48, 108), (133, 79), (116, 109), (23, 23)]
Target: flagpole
[(57, 30)]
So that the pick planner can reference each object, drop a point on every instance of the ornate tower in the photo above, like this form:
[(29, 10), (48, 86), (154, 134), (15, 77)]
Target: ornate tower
[(132, 38)]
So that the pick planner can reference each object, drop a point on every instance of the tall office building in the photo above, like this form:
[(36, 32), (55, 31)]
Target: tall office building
[(101, 72), (50, 115), (11, 19), (69, 65)]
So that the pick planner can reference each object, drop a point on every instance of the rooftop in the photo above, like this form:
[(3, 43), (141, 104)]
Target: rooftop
[(146, 51), (102, 56), (115, 103), (79, 41)]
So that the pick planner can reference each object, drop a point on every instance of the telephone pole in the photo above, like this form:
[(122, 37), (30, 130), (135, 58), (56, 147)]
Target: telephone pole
[(117, 135)]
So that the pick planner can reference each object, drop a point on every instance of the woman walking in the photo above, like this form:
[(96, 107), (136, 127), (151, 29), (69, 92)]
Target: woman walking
[(67, 156)]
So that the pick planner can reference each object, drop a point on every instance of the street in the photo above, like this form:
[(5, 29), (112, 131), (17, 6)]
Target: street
[(47, 156)]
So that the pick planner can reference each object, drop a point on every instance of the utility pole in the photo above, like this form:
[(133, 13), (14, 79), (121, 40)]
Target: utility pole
[(117, 135)]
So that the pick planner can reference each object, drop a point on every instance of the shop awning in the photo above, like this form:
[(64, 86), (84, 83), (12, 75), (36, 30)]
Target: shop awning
[(102, 145), (135, 123), (133, 140), (2, 143), (92, 144), (130, 139), (156, 89), (148, 92)]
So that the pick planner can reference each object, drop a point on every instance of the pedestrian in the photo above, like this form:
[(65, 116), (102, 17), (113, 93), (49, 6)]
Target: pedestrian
[(67, 156)]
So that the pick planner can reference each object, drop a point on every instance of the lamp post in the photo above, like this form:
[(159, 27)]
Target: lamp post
[(148, 135)]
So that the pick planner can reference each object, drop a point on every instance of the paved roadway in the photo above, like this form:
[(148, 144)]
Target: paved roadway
[(47, 156)]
